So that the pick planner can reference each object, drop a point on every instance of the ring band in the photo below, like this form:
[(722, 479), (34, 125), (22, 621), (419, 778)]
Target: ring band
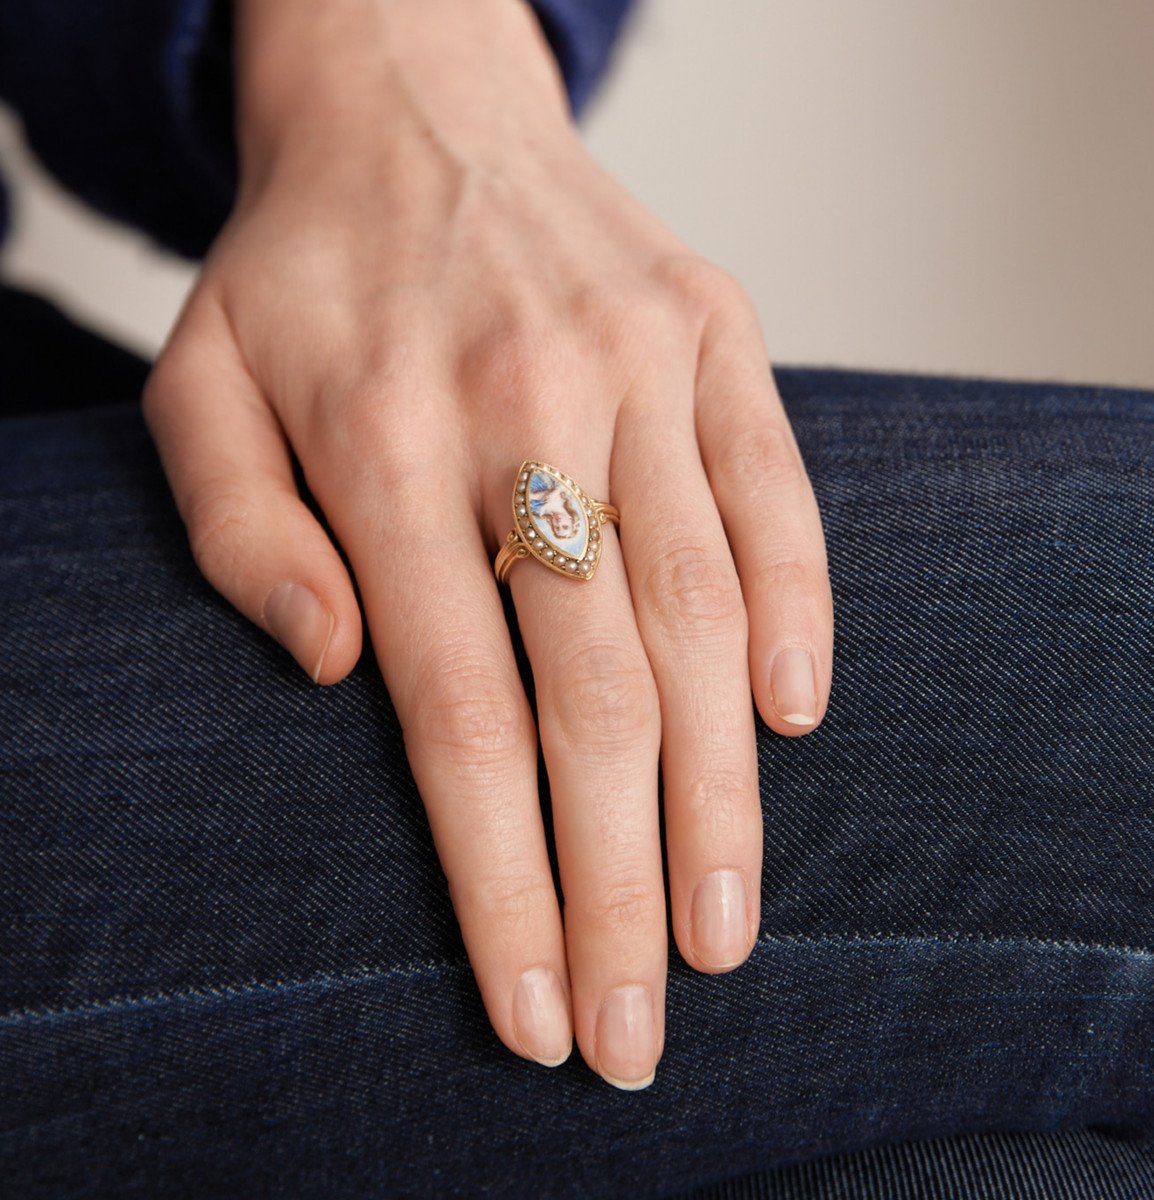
[(556, 522)]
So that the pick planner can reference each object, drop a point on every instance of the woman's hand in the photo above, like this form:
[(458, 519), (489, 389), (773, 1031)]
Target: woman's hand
[(425, 281)]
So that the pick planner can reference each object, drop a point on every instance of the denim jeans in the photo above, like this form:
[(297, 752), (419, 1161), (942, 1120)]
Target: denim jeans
[(229, 965)]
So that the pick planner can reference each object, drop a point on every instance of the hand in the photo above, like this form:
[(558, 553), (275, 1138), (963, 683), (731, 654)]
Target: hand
[(425, 281)]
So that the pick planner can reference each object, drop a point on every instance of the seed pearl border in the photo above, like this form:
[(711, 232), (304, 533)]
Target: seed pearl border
[(524, 540)]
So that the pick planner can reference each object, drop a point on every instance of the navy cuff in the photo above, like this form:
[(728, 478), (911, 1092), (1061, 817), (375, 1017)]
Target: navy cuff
[(582, 34), (129, 104)]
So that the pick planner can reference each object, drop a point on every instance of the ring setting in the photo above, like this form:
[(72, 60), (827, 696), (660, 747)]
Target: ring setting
[(554, 521)]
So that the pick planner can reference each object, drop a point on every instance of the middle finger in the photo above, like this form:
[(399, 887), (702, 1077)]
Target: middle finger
[(693, 621)]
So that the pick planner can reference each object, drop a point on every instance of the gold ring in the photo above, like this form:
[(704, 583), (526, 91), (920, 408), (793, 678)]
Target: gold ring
[(556, 522)]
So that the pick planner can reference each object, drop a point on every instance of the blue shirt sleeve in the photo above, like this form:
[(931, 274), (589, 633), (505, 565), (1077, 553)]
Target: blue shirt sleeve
[(582, 34), (129, 102)]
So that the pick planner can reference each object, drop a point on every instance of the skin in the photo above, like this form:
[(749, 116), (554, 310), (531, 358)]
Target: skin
[(424, 270)]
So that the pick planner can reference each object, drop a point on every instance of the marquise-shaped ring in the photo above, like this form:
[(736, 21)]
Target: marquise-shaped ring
[(556, 522)]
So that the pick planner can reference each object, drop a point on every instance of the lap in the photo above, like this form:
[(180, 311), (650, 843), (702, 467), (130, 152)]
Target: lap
[(229, 957)]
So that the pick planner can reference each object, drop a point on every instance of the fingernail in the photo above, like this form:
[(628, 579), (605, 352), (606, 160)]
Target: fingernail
[(791, 679), (624, 1044), (301, 623), (719, 920), (541, 1017)]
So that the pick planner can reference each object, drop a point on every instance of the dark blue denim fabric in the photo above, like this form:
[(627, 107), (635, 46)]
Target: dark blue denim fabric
[(1076, 1165), (229, 965)]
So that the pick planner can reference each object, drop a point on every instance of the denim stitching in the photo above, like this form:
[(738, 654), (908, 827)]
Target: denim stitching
[(229, 991), (950, 938), (369, 973)]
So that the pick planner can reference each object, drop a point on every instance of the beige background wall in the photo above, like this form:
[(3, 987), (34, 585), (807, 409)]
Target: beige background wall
[(942, 185)]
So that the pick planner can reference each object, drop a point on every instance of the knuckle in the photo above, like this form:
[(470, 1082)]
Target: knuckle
[(514, 358), (606, 696), (688, 587), (761, 461), (717, 799), (601, 306), (790, 577), (465, 712), (358, 429), (628, 325), (220, 522), (621, 907), (704, 287), (521, 900)]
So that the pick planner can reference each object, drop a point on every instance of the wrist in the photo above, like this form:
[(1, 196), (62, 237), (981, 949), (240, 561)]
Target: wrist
[(475, 75)]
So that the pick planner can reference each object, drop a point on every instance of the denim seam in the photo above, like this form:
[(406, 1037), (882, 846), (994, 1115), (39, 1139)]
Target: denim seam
[(228, 991), (369, 973), (971, 938)]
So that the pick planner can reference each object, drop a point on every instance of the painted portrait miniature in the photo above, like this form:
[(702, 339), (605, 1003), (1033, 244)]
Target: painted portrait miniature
[(556, 513)]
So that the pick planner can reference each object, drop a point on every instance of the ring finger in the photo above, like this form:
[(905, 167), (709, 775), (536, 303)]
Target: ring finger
[(599, 720)]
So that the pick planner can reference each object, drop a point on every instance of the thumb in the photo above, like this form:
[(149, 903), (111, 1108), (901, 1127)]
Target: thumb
[(229, 465)]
